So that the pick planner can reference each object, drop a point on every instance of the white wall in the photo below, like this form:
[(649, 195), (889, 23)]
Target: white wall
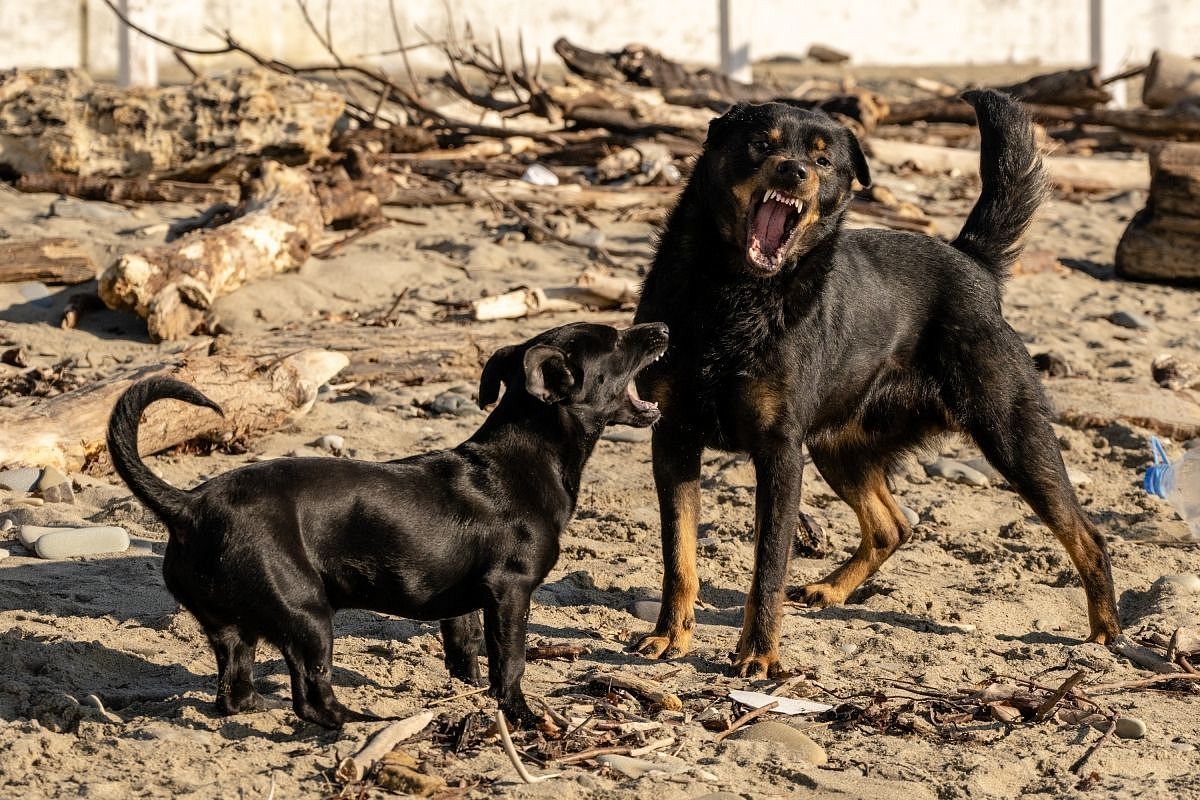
[(48, 32)]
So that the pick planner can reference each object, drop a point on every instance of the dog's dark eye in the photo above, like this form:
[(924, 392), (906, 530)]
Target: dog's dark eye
[(824, 162), (760, 147)]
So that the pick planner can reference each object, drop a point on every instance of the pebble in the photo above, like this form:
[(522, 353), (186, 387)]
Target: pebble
[(628, 435), (631, 767), (646, 610), (1078, 477), (539, 175), (453, 403), (1130, 728), (57, 543), (914, 519), (19, 480), (55, 487), (1130, 319), (785, 735), (1053, 365), (331, 442), (953, 470), (984, 467), (1183, 747), (1185, 583)]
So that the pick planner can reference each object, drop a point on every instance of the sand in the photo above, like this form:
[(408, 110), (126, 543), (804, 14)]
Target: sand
[(981, 590)]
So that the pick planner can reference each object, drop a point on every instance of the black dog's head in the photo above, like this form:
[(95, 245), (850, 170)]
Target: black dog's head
[(778, 180), (581, 365)]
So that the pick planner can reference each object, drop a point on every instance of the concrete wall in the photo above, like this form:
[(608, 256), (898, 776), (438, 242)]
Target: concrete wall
[(49, 32)]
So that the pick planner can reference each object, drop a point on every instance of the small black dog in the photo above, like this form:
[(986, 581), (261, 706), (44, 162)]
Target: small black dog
[(787, 330), (269, 551)]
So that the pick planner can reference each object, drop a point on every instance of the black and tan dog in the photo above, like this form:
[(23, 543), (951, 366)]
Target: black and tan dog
[(271, 550), (787, 330)]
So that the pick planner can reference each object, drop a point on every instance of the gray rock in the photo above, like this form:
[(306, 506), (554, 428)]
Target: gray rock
[(1130, 319), (983, 466), (331, 442), (58, 543), (635, 767), (55, 487), (20, 480), (785, 735), (628, 435), (1130, 728), (646, 610), (914, 519), (957, 471), (1185, 583), (1078, 477), (453, 403), (1183, 747)]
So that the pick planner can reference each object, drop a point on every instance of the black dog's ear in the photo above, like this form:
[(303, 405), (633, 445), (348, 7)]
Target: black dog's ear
[(861, 170), (546, 374), (494, 372), (720, 126)]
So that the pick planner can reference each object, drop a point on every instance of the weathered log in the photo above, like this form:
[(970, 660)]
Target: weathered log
[(54, 120), (53, 260), (1097, 404), (951, 109), (1077, 88), (258, 393), (1181, 120), (172, 286), (1080, 174), (1163, 239), (1170, 79), (120, 190)]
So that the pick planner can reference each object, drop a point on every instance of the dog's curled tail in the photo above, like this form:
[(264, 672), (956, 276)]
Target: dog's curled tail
[(1014, 182), (165, 500)]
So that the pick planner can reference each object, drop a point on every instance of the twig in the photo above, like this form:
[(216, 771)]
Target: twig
[(744, 718), (1142, 682), (511, 750), (337, 246), (460, 695), (650, 747), (1045, 709), (1120, 76), (584, 755), (175, 51), (1083, 759)]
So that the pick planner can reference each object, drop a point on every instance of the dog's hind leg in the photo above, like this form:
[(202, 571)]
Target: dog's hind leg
[(997, 397), (235, 672), (462, 638), (859, 478)]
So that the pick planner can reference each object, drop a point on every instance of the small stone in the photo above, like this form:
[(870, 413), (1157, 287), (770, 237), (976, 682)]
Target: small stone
[(398, 773), (708, 543), (984, 467), (20, 480), (1130, 319), (1130, 728), (786, 735), (1183, 747), (1078, 477), (914, 519), (633, 767), (331, 442), (645, 610), (453, 403), (1185, 583), (1053, 365), (953, 470), (59, 543), (55, 487), (627, 435)]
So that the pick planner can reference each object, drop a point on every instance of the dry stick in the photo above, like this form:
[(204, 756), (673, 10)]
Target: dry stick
[(650, 747), (175, 51), (584, 755), (352, 769), (1083, 759), (1053, 700), (567, 651), (337, 246), (458, 696), (744, 718), (511, 750), (1142, 683), (545, 230)]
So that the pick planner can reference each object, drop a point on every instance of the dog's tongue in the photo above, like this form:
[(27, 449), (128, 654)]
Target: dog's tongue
[(770, 226)]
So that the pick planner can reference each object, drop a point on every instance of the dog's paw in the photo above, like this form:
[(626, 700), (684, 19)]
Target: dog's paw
[(1105, 635), (816, 595), (755, 666), (672, 644)]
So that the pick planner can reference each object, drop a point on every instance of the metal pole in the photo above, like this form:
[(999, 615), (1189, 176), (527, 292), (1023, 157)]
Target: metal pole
[(733, 39)]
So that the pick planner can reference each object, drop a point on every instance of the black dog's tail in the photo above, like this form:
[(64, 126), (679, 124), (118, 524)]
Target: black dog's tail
[(1014, 182), (168, 502)]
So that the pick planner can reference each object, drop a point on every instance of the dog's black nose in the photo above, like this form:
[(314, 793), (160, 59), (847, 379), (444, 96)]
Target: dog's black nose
[(792, 169)]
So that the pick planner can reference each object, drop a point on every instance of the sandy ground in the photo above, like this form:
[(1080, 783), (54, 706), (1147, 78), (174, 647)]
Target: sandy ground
[(982, 589)]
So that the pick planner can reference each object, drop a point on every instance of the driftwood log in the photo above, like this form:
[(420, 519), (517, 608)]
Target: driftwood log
[(1162, 241), (258, 393), (173, 285), (52, 260), (1170, 79), (121, 190), (57, 120), (1077, 88)]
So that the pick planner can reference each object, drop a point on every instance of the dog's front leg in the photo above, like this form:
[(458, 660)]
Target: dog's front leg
[(676, 454), (462, 639), (778, 469), (504, 631)]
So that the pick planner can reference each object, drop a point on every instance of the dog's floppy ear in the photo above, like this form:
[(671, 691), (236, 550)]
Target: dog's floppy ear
[(861, 170), (547, 376), (494, 371), (720, 126)]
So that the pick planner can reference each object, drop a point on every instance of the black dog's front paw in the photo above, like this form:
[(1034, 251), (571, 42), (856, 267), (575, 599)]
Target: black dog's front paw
[(518, 713), (467, 671)]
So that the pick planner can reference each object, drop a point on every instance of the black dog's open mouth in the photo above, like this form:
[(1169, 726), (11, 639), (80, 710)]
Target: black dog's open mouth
[(774, 221), (642, 413)]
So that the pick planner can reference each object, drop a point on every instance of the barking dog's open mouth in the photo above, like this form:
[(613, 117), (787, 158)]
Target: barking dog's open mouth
[(774, 222), (638, 412)]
